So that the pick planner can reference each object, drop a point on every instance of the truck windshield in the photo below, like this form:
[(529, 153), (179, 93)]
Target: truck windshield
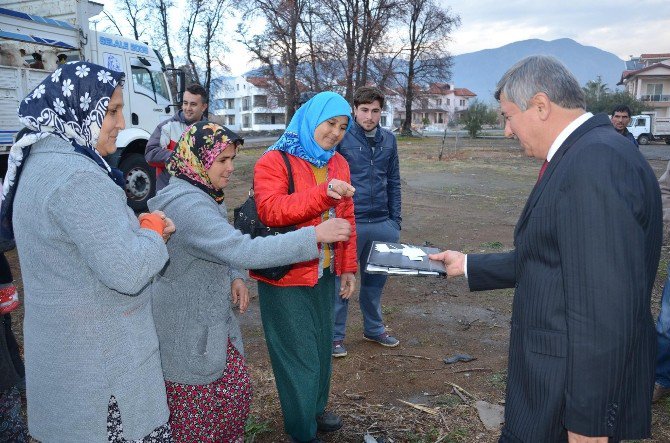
[(150, 83)]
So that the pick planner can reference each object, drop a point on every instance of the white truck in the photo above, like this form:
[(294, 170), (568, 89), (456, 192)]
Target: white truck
[(57, 28), (647, 127)]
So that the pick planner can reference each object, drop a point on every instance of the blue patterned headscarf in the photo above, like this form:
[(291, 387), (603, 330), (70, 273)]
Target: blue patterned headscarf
[(298, 139), (71, 104)]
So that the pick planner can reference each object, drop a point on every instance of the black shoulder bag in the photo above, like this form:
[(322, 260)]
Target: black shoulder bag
[(246, 220)]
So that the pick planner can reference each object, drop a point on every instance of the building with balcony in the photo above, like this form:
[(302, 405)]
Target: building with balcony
[(649, 81), (435, 105), (247, 104)]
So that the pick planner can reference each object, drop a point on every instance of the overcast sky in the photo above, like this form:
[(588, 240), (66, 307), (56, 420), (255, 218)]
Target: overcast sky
[(623, 28)]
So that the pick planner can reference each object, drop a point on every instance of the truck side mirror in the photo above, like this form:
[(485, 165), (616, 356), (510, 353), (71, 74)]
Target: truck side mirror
[(181, 85), (180, 80)]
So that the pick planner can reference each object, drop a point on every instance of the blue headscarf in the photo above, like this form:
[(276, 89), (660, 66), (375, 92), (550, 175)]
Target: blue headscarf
[(298, 139), (70, 104)]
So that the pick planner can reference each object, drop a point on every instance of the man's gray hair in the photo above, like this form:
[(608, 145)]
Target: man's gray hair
[(540, 73)]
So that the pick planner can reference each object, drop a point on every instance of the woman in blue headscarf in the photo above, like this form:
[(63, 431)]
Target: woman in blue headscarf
[(93, 372), (297, 309)]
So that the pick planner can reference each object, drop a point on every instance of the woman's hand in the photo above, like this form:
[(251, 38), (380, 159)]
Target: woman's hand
[(169, 229), (347, 285), (240, 294), (169, 225), (333, 230), (338, 189), (158, 222)]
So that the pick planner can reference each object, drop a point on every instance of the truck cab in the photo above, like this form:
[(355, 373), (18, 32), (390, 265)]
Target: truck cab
[(147, 96), (648, 127)]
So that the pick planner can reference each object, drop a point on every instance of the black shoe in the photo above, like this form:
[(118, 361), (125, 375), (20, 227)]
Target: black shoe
[(328, 422)]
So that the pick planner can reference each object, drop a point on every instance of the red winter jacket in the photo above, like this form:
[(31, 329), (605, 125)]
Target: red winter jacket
[(302, 208)]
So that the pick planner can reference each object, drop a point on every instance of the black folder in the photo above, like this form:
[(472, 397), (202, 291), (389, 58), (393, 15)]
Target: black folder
[(395, 263)]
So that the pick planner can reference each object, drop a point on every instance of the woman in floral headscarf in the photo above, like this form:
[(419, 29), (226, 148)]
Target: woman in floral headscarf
[(92, 364), (200, 340)]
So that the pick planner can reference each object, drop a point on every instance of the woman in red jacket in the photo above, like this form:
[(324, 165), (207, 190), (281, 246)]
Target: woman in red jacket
[(297, 309)]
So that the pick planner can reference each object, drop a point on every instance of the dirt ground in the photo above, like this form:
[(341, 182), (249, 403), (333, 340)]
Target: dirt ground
[(468, 201)]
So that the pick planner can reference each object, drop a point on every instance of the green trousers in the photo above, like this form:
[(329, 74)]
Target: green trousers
[(298, 330)]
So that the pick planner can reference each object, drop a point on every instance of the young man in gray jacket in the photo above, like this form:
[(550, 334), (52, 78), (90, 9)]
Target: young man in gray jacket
[(166, 135), (372, 154)]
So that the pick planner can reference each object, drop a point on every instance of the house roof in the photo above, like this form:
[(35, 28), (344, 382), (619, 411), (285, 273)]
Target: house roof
[(265, 83), (439, 88), (667, 55), (464, 92), (430, 110), (627, 74), (259, 82)]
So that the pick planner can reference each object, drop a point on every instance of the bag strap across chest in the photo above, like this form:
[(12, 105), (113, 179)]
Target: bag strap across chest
[(291, 186)]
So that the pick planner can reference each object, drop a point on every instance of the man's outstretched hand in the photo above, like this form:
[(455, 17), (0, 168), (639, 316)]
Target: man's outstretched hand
[(454, 262)]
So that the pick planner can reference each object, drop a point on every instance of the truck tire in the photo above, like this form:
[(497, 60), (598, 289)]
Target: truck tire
[(643, 140), (140, 181)]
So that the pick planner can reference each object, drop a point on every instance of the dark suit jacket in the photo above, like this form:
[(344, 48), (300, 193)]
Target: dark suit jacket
[(587, 246)]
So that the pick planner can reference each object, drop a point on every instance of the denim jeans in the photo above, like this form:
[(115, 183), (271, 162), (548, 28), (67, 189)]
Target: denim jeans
[(371, 285), (663, 337)]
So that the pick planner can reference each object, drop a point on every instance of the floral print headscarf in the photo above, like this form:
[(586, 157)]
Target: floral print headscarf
[(70, 104), (196, 151)]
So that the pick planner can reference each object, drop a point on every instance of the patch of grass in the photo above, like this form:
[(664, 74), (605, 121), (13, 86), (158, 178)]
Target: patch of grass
[(662, 269), (429, 437), (457, 435), (448, 400), (499, 379), (255, 427), (491, 245), (388, 310)]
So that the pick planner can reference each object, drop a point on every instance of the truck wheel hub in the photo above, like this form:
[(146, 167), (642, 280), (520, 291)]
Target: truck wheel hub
[(138, 184)]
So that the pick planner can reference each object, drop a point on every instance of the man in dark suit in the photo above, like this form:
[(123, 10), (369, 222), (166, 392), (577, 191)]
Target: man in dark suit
[(587, 245)]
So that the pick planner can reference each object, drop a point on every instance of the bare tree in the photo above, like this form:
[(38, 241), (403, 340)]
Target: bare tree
[(382, 68), (310, 27), (135, 13), (377, 17), (158, 10), (357, 26), (280, 46), (428, 27), (194, 8), (210, 20), (112, 23)]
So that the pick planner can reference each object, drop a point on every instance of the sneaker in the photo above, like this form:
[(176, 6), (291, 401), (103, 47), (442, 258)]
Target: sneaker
[(328, 422), (338, 349), (383, 339), (659, 393)]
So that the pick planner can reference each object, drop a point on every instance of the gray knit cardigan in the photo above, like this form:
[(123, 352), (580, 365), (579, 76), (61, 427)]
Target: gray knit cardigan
[(192, 296), (88, 329)]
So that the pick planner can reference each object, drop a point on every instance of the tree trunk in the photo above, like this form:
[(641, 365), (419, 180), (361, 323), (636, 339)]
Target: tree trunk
[(162, 9)]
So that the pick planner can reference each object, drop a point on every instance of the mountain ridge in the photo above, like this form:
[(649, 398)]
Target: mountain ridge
[(479, 71)]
